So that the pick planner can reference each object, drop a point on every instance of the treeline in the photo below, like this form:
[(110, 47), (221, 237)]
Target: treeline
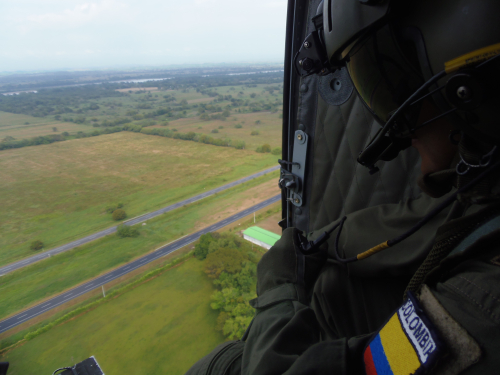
[(10, 142), (232, 264), (192, 136)]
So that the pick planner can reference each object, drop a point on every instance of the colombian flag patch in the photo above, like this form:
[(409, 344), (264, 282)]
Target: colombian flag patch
[(407, 344)]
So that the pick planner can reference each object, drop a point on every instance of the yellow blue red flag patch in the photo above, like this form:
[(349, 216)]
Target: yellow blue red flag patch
[(407, 344)]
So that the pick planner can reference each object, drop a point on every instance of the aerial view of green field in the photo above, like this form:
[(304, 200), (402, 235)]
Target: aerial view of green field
[(73, 157), (162, 326), (53, 275), (57, 192)]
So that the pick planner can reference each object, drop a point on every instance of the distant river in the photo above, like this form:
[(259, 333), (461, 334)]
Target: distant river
[(132, 81)]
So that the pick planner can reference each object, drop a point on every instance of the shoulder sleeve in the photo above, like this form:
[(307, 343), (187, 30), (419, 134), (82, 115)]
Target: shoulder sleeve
[(284, 339)]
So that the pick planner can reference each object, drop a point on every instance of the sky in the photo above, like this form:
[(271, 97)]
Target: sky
[(96, 34)]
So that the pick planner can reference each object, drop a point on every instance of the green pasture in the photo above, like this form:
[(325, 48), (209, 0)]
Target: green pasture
[(267, 124), (161, 327), (59, 192), (10, 120), (53, 275), (22, 126)]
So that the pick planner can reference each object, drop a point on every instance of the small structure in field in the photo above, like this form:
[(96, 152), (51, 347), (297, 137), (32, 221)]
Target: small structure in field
[(261, 237)]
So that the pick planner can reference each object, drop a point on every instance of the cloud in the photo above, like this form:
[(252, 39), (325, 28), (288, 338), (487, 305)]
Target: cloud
[(66, 19), (79, 32)]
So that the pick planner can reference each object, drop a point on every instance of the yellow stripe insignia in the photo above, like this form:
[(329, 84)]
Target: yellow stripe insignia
[(407, 344)]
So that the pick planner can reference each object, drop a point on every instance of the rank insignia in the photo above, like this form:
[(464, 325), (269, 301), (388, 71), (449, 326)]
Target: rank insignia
[(407, 344)]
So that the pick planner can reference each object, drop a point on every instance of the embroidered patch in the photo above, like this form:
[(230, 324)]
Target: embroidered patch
[(407, 344)]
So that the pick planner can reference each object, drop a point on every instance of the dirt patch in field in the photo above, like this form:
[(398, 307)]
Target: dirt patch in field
[(254, 196), (271, 224), (201, 100), (138, 89)]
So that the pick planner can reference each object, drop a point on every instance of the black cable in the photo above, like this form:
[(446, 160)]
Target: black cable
[(337, 239)]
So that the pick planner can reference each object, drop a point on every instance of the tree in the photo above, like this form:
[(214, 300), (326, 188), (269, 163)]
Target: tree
[(266, 148), (36, 245), (119, 214), (54, 129), (127, 231), (254, 132), (223, 260)]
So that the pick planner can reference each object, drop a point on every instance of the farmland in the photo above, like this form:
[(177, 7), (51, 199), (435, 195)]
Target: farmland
[(70, 156), (46, 278), (60, 192)]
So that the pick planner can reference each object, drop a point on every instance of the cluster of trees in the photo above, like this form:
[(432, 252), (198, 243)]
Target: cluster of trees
[(112, 208), (216, 116), (37, 245), (57, 101), (266, 148), (127, 231), (232, 265), (119, 214)]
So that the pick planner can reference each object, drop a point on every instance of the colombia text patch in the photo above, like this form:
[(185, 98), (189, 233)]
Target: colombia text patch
[(407, 344)]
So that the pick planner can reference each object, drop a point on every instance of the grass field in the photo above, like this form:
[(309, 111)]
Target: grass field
[(160, 327), (24, 126), (59, 192), (46, 278)]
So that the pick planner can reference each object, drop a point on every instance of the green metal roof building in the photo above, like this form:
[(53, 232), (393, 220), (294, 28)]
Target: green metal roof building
[(261, 237)]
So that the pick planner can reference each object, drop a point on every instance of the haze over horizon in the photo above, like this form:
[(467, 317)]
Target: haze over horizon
[(75, 34)]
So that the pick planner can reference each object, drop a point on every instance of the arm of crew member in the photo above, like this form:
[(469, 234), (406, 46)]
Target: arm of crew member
[(285, 339)]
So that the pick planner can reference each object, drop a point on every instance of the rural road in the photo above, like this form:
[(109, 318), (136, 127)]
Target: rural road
[(139, 219), (101, 280)]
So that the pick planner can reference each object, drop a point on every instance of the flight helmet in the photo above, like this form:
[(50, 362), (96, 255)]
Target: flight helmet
[(399, 53)]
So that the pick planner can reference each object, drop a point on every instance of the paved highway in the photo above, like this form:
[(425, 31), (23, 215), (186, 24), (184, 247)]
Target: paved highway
[(139, 219), (101, 280)]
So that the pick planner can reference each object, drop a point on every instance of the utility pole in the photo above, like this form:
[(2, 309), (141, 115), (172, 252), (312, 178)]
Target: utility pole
[(103, 292), (254, 217)]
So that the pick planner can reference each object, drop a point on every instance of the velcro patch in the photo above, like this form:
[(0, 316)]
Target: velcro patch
[(407, 344)]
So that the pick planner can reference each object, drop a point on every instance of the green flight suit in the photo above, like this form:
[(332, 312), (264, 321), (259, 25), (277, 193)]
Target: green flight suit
[(285, 336), (350, 304)]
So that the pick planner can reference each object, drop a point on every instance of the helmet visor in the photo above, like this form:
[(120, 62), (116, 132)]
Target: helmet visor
[(381, 71)]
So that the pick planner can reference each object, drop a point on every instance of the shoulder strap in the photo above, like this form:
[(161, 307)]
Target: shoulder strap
[(481, 231)]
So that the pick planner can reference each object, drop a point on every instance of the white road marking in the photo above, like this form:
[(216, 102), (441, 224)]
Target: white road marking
[(19, 317)]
